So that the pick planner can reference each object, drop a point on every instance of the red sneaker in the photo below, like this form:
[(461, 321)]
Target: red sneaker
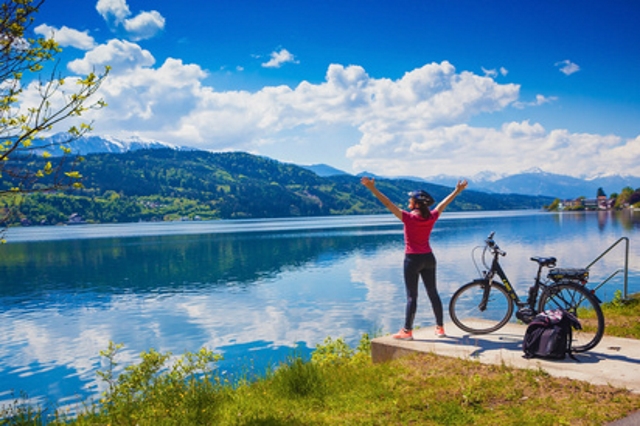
[(403, 335), (440, 331)]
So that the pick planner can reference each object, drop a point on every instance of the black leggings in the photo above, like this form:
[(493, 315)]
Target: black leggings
[(416, 266)]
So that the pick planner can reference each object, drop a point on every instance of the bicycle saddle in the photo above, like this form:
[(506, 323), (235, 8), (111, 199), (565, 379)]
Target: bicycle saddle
[(545, 261)]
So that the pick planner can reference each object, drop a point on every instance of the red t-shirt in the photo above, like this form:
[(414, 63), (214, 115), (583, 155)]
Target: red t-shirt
[(417, 231)]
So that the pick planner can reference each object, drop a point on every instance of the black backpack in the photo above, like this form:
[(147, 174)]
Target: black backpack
[(549, 335)]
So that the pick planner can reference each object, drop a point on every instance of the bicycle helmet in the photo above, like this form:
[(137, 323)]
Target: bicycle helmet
[(422, 197)]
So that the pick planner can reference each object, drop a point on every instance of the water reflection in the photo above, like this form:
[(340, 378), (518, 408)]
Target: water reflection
[(252, 294), (168, 263), (628, 220)]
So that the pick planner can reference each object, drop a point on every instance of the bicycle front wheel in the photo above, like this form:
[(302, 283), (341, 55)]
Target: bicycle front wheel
[(574, 298), (479, 307)]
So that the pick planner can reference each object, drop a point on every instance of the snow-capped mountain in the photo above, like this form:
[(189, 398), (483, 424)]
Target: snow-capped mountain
[(483, 179), (534, 182), (615, 181), (102, 144), (539, 182), (530, 182), (487, 176)]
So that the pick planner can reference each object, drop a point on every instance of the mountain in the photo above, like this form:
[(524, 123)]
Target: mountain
[(542, 183), (533, 182), (481, 180), (615, 183), (537, 182), (324, 170), (168, 184), (103, 144)]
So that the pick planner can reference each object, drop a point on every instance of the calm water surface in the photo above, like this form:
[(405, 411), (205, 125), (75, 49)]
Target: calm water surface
[(251, 290)]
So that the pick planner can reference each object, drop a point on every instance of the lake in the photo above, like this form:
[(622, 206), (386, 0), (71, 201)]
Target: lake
[(255, 291)]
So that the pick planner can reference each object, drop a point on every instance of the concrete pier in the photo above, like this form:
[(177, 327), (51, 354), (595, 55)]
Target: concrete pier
[(615, 361)]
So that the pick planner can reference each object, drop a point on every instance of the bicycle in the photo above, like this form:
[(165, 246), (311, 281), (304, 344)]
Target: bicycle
[(484, 305)]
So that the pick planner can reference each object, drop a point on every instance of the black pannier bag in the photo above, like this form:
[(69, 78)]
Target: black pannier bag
[(549, 335), (569, 274)]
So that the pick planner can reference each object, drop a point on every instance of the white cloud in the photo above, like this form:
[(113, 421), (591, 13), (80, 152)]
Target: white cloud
[(280, 58), (463, 151), (523, 129), (119, 55), (540, 100), (143, 26), (493, 73), (567, 67), (417, 124), (113, 10), (66, 36), (148, 101), (430, 96), (490, 73)]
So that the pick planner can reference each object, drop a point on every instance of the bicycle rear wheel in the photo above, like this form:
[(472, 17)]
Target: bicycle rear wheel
[(574, 298), (479, 307)]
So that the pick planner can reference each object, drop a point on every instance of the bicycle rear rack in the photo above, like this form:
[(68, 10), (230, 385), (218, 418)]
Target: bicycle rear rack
[(625, 269)]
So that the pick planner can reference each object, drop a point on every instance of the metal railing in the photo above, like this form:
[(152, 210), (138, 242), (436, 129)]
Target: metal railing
[(625, 269)]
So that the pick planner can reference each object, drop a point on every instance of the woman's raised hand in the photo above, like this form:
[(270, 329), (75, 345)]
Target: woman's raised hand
[(461, 185), (368, 182)]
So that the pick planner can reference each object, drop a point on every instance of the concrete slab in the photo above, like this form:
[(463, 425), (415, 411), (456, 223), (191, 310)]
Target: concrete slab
[(615, 361)]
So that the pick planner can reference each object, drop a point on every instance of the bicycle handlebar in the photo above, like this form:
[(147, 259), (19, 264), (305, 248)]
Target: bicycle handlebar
[(493, 246)]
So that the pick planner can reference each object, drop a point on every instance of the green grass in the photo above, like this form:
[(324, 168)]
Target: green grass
[(340, 385), (622, 316)]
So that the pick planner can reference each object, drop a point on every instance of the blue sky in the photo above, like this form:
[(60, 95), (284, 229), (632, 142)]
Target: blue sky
[(402, 87)]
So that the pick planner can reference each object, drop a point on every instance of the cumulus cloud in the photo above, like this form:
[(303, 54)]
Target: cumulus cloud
[(148, 101), (280, 58), (119, 55), (66, 36), (145, 25), (113, 10), (417, 124), (465, 150), (142, 26), (567, 67), (431, 96)]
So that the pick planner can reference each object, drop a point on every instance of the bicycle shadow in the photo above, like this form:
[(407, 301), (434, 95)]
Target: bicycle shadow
[(480, 345), (475, 344), (595, 356)]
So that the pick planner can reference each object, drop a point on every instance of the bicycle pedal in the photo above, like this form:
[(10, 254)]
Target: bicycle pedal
[(526, 315)]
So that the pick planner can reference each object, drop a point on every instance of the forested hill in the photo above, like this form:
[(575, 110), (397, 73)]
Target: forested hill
[(165, 184)]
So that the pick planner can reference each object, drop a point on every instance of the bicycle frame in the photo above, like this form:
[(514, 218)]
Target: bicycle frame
[(496, 269)]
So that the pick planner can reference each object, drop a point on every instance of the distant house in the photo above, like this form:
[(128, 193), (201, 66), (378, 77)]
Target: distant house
[(571, 204), (590, 203), (609, 203), (600, 203)]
